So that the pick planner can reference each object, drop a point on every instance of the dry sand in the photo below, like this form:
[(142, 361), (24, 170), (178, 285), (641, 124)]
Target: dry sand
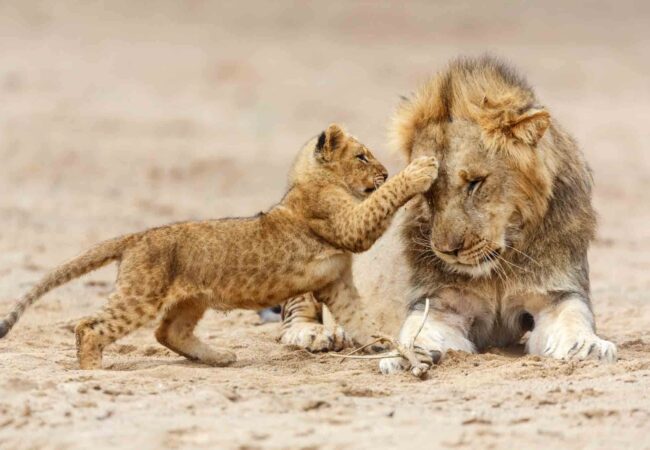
[(123, 116)]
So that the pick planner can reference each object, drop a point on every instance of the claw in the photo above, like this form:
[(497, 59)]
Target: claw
[(592, 347)]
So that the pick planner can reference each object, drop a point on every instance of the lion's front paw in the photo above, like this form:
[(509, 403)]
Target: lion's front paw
[(389, 366), (582, 346), (315, 337)]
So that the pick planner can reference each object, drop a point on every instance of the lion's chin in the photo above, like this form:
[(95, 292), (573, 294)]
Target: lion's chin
[(482, 266)]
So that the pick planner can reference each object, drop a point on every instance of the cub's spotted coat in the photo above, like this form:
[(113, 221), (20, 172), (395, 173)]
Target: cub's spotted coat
[(337, 203)]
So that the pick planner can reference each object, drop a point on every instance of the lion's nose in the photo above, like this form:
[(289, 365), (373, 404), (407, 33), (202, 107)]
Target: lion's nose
[(452, 252), (385, 175), (451, 248)]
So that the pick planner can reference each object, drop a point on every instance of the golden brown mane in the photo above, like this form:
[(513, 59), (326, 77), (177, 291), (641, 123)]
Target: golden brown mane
[(489, 93)]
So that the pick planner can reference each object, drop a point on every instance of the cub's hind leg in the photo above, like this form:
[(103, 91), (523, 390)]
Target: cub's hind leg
[(302, 326), (344, 301), (122, 315), (176, 332)]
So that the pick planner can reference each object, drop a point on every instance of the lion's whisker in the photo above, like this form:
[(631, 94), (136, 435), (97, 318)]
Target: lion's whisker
[(497, 268), (523, 254), (512, 264)]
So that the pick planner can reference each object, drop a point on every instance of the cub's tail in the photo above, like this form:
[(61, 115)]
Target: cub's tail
[(93, 259)]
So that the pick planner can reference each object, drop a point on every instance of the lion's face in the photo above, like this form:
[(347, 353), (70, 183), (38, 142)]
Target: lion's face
[(496, 163), (473, 202), (351, 161)]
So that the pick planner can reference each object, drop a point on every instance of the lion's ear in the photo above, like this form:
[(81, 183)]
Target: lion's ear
[(504, 121), (530, 126), (329, 142)]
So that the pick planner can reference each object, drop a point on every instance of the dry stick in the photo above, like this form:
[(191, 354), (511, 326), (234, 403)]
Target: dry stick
[(376, 341), (417, 368), (424, 319)]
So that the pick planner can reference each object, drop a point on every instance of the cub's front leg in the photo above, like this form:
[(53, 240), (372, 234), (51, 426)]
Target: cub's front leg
[(443, 330), (343, 300), (565, 330), (355, 226), (302, 326)]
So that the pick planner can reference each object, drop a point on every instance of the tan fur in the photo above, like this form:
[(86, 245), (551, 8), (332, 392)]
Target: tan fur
[(501, 239), (303, 326), (337, 203)]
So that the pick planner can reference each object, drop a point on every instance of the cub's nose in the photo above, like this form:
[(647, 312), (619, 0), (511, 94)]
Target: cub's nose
[(380, 178)]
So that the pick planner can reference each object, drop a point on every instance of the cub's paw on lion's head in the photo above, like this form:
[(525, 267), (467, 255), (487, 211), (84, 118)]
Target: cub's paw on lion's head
[(421, 173)]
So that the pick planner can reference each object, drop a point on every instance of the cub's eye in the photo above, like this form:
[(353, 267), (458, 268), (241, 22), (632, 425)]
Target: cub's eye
[(362, 158), (473, 185)]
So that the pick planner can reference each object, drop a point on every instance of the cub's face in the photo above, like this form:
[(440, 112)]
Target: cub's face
[(350, 160)]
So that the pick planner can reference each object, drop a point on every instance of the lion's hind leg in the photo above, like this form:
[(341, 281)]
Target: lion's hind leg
[(176, 332)]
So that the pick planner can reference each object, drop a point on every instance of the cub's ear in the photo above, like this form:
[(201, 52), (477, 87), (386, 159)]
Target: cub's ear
[(329, 142)]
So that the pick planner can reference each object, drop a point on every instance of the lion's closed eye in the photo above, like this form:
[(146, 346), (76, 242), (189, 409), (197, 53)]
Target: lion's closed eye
[(474, 185)]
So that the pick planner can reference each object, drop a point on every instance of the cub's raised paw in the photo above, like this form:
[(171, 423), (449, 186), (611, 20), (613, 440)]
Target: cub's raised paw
[(421, 173), (315, 337), (583, 346)]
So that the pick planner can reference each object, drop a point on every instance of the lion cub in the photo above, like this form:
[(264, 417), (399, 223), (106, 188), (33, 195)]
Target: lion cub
[(337, 203)]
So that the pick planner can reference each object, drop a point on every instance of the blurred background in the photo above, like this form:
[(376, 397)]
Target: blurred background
[(196, 108), (121, 115)]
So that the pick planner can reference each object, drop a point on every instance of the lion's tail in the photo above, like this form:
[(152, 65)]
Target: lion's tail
[(93, 259)]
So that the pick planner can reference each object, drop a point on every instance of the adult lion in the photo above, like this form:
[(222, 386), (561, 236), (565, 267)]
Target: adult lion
[(499, 244)]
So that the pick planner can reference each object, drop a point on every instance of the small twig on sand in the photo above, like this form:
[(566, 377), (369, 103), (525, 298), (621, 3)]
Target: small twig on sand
[(427, 304), (400, 350), (376, 341)]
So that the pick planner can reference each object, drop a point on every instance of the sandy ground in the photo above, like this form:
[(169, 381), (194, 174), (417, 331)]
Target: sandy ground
[(118, 117)]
